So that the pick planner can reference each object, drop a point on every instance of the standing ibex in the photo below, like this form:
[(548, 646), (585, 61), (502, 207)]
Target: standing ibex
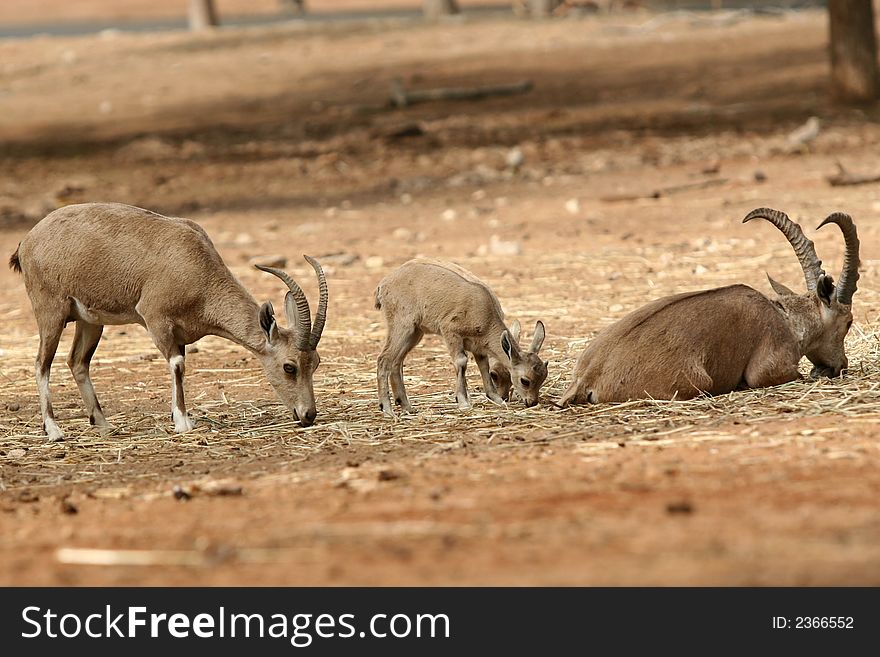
[(108, 263), (716, 341), (441, 298)]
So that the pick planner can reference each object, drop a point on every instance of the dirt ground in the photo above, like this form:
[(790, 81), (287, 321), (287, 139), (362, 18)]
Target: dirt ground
[(281, 141)]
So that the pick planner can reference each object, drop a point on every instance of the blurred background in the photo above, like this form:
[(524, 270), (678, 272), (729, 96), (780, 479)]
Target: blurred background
[(582, 158)]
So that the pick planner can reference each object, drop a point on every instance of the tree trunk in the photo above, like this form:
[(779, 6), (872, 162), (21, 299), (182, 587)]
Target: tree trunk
[(543, 8), (854, 73), (438, 8), (202, 15)]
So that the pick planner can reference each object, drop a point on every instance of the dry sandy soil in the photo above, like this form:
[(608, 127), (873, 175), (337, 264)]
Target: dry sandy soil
[(281, 141), (42, 11)]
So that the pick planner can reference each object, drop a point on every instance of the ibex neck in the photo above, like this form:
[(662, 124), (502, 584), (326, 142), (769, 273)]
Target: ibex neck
[(236, 316), (800, 313), (493, 342)]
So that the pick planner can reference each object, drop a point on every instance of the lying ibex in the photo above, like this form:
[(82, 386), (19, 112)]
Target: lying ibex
[(428, 296), (108, 263), (716, 341)]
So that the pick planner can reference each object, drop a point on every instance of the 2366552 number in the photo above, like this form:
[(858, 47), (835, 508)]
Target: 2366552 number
[(823, 622)]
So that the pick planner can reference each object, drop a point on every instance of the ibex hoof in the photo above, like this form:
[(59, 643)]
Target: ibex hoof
[(53, 432), (105, 429), (183, 424)]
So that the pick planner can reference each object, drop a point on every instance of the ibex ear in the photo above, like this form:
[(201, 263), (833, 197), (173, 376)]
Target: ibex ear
[(510, 348), (514, 329), (779, 288), (267, 321), (825, 289), (538, 338)]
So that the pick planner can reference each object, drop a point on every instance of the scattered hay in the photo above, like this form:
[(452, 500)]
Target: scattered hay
[(242, 430)]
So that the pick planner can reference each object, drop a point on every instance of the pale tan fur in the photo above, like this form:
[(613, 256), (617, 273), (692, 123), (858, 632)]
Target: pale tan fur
[(107, 263), (441, 298)]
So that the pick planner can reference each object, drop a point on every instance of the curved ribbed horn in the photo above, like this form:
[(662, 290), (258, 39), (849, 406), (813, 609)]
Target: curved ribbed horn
[(846, 284), (321, 314), (803, 248), (302, 319)]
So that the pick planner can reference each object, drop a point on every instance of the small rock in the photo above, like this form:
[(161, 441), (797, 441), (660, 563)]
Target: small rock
[(760, 176), (402, 234), (28, 497), (275, 260), (805, 133), (681, 507), (712, 167), (449, 214), (68, 507), (243, 239), (192, 349), (180, 494), (497, 246), (573, 206), (12, 407), (700, 269), (515, 158), (374, 262), (389, 474), (105, 107), (17, 453), (616, 308)]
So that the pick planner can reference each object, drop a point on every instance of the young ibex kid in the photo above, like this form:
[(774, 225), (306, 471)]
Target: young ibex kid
[(441, 298)]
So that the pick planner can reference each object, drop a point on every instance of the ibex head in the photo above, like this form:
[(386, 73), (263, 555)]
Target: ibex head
[(822, 316), (525, 372), (290, 357)]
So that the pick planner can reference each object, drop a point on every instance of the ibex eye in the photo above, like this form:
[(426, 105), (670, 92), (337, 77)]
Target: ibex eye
[(290, 369), (525, 383)]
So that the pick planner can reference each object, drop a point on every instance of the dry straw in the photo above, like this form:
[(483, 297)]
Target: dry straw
[(243, 430)]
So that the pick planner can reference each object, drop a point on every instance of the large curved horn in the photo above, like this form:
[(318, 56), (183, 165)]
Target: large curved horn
[(803, 248), (302, 319), (846, 284), (321, 314)]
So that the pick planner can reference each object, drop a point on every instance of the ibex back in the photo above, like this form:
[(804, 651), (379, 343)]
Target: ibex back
[(108, 263), (715, 341)]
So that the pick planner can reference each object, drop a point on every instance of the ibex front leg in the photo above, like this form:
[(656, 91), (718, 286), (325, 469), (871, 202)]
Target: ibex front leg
[(460, 361), (163, 337), (177, 365), (488, 384)]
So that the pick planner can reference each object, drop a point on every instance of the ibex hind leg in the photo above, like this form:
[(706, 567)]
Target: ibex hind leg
[(85, 341), (51, 324), (389, 368), (398, 388)]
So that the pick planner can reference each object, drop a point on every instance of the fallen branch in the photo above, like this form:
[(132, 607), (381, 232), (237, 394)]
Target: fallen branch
[(843, 177), (400, 97), (663, 191)]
